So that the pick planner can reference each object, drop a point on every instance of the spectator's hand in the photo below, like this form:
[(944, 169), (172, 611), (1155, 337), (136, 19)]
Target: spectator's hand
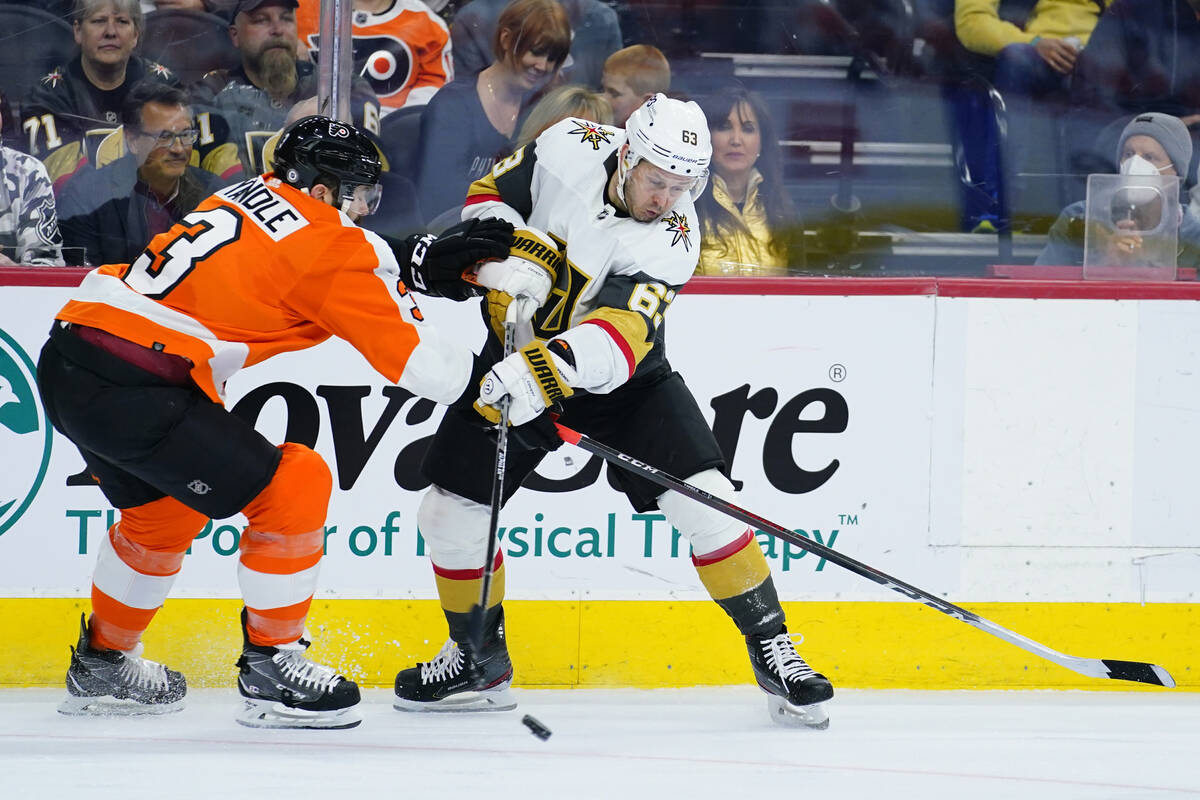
[(5, 261), (1125, 247), (1057, 53)]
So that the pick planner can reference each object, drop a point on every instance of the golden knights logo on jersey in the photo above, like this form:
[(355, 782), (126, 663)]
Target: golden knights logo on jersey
[(591, 133), (678, 224)]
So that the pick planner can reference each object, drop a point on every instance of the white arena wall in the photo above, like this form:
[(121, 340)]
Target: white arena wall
[(1025, 449)]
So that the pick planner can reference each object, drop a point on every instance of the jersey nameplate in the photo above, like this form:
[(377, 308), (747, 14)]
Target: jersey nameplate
[(275, 216)]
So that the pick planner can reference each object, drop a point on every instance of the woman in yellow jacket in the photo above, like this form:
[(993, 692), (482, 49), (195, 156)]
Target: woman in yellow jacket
[(747, 223)]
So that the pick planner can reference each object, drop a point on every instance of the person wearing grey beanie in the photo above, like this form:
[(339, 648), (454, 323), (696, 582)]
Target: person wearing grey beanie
[(1161, 139), (1151, 143)]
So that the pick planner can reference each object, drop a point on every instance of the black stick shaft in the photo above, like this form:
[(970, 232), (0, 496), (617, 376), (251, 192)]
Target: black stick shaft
[(479, 612), (1096, 668)]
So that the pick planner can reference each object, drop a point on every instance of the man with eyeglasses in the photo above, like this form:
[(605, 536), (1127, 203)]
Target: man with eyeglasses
[(112, 212)]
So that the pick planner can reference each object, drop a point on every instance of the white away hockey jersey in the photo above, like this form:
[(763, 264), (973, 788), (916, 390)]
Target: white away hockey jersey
[(617, 275)]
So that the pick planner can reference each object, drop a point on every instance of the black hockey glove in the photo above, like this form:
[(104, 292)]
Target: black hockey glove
[(434, 265)]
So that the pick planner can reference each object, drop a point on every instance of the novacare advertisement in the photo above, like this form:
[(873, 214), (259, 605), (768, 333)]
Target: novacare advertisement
[(826, 422)]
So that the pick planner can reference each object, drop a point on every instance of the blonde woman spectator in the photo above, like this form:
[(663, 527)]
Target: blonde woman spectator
[(632, 76), (747, 223), (566, 101)]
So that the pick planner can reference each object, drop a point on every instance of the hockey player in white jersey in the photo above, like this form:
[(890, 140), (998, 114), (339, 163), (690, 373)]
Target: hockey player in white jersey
[(607, 216)]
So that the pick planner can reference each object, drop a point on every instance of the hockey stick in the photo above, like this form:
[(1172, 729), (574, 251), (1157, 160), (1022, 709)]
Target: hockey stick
[(479, 612), (1138, 671)]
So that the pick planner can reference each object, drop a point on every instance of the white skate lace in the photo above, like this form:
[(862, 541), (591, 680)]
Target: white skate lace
[(782, 657), (307, 674), (446, 664), (142, 672)]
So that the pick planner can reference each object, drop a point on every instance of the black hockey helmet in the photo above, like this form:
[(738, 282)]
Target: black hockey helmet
[(319, 148)]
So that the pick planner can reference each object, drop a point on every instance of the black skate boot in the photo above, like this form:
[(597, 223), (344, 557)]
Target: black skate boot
[(112, 682), (283, 689), (460, 678), (794, 689)]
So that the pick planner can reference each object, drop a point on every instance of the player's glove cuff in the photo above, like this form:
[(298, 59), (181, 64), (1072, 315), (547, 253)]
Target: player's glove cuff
[(530, 377)]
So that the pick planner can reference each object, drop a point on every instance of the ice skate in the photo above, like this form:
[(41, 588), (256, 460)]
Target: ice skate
[(460, 678), (118, 682), (794, 690), (283, 689)]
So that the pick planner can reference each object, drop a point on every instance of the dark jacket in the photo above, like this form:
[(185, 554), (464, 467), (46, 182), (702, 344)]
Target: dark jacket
[(104, 210), (64, 105)]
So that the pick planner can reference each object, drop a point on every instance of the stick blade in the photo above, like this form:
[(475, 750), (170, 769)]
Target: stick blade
[(1139, 672)]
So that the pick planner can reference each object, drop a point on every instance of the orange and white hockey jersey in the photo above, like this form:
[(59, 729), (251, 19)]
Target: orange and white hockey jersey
[(260, 268), (404, 52)]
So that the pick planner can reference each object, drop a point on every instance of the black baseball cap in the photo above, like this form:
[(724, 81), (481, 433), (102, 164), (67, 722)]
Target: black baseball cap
[(250, 5)]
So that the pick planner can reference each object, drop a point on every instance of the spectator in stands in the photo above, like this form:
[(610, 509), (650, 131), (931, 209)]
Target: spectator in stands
[(1026, 62), (246, 106), (114, 211), (472, 121), (28, 222), (569, 100), (747, 223), (1157, 143), (632, 76), (597, 34), (401, 47), (84, 96), (1142, 57)]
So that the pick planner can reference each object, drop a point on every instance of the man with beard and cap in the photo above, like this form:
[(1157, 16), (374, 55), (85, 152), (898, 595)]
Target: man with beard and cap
[(251, 102), (114, 211)]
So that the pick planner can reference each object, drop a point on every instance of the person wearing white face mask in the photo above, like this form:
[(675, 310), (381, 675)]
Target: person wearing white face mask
[(1150, 144)]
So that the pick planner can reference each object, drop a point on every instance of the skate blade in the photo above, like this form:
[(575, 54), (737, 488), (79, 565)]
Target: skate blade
[(109, 706), (267, 714), (498, 699), (790, 716)]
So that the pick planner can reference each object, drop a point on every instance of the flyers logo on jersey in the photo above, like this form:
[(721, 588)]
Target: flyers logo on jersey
[(678, 225), (591, 133), (385, 61)]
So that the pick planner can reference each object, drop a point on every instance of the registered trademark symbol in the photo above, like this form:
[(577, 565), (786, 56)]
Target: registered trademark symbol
[(837, 373)]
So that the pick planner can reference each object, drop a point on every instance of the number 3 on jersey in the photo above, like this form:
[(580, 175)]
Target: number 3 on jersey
[(167, 261)]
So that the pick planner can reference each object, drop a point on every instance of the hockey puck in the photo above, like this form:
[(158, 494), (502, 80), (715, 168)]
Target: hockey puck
[(536, 728)]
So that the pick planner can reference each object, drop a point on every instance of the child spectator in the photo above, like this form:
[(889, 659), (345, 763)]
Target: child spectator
[(632, 76), (560, 103)]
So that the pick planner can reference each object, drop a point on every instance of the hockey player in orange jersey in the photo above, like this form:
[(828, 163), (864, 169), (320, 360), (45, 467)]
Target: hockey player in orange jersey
[(134, 374)]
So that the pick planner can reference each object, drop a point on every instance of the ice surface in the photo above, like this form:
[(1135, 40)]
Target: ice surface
[(625, 744)]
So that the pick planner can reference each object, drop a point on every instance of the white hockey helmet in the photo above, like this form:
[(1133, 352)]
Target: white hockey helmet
[(670, 134)]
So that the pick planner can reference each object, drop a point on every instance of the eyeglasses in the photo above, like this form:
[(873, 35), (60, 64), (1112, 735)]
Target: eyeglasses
[(186, 137)]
